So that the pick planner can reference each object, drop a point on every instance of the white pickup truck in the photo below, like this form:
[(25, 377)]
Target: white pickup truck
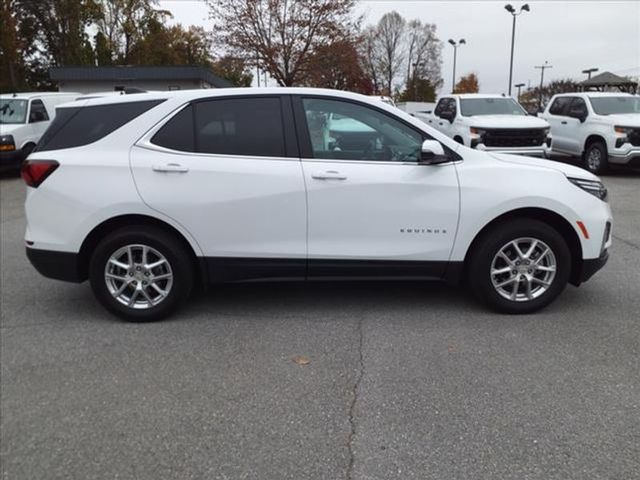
[(490, 122), (601, 128)]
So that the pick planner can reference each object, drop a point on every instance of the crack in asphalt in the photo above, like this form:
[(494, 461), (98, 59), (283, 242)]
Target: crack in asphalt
[(354, 400), (626, 242)]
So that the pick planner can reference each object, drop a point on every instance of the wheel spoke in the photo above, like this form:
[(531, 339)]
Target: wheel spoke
[(541, 282), (119, 264), (145, 254), (541, 257), (527, 288), (158, 289), (507, 282), (495, 271), (517, 249), (156, 264), (147, 297), (531, 249), (543, 268), (116, 277), (133, 298), (122, 288), (506, 258), (163, 276), (514, 292)]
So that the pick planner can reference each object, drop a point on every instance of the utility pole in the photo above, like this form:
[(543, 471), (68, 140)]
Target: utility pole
[(519, 86), (542, 68)]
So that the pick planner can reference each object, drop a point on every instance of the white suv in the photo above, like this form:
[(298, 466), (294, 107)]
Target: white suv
[(493, 123), (147, 194), (601, 128)]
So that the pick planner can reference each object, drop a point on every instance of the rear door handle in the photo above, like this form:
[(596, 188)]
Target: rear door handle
[(170, 168), (328, 175), (563, 122)]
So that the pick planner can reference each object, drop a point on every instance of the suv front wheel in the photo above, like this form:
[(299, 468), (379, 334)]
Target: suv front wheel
[(141, 273), (520, 266)]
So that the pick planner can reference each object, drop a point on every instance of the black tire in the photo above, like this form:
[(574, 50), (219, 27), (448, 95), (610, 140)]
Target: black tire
[(177, 257), (487, 247), (595, 158)]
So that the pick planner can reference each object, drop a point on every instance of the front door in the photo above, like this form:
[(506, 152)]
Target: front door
[(372, 209), (228, 171)]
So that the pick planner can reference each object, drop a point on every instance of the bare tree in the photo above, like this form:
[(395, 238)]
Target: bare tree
[(282, 35), (424, 56), (370, 58), (390, 35)]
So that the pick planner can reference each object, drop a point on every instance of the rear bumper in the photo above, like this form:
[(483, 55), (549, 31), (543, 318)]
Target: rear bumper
[(57, 265)]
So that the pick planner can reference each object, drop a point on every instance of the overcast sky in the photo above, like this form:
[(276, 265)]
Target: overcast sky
[(570, 35)]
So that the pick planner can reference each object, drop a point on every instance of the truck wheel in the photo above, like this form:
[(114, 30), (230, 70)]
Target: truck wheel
[(141, 273), (595, 158), (519, 267)]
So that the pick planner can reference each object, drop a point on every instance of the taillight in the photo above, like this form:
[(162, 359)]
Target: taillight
[(34, 172)]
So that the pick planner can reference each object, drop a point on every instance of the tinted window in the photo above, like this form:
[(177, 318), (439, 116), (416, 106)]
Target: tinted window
[(38, 112), (348, 131), (178, 133), (77, 126), (440, 106), (560, 105), (578, 108), (490, 106), (447, 108), (240, 126)]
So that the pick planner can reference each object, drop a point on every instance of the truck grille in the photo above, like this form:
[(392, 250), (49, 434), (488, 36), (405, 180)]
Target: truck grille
[(634, 137), (514, 137)]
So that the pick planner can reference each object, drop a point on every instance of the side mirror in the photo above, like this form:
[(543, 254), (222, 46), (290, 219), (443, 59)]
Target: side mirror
[(432, 153)]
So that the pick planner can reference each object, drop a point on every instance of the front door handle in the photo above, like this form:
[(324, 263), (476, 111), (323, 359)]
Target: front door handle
[(563, 122), (328, 175), (170, 168)]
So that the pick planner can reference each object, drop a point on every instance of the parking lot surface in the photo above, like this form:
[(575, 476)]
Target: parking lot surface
[(405, 380)]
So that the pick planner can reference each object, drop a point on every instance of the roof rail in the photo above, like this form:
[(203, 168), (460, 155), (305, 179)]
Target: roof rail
[(132, 90)]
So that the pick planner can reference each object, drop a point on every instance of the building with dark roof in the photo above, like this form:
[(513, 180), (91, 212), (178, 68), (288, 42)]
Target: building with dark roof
[(102, 79), (607, 82)]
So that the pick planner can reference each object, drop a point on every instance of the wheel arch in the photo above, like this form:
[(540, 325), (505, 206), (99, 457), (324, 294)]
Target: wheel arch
[(459, 139), (112, 224), (594, 137), (551, 218)]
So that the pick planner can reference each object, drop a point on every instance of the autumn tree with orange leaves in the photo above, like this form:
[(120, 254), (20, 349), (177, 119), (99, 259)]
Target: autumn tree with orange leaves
[(467, 84)]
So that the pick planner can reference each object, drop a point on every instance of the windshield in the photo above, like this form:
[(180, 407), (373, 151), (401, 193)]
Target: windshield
[(490, 106), (13, 111), (612, 105)]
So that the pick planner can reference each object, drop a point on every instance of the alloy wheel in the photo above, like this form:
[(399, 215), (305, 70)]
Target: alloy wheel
[(138, 276), (523, 269)]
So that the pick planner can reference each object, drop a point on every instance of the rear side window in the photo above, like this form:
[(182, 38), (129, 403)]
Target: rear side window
[(77, 126), (559, 105), (38, 112), (240, 126), (178, 133)]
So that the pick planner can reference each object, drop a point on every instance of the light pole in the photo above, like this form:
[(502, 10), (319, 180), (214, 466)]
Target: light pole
[(509, 8), (455, 52), (589, 71), (542, 68), (519, 86)]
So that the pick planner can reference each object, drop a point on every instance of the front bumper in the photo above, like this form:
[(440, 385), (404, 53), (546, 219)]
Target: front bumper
[(63, 266), (592, 265), (11, 160), (631, 157), (542, 151)]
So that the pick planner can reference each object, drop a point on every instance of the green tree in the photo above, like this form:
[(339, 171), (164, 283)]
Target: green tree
[(418, 90)]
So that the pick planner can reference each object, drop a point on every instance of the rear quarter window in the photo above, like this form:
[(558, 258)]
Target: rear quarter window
[(78, 126)]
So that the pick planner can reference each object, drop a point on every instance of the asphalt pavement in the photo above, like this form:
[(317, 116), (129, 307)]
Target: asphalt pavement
[(409, 380)]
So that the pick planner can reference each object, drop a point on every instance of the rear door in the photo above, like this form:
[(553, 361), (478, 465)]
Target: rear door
[(228, 170), (373, 210), (560, 124), (38, 120)]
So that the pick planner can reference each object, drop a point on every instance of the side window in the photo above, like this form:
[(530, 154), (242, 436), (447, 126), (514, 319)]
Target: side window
[(452, 110), (578, 108), (240, 126), (38, 112), (77, 126), (178, 133), (440, 107), (559, 106), (348, 131)]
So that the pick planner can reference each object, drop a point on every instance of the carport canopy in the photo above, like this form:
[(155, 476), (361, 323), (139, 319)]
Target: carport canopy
[(606, 81)]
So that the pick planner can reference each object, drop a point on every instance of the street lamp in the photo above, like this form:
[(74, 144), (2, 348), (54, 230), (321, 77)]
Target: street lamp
[(509, 8), (455, 52), (519, 86)]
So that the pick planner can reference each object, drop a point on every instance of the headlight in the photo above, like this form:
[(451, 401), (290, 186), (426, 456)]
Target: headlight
[(546, 131), (624, 131), (6, 143), (593, 187)]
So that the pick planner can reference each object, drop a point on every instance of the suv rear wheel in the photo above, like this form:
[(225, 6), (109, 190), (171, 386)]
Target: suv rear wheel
[(141, 273), (520, 266)]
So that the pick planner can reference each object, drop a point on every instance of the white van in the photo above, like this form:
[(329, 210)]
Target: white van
[(23, 119)]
